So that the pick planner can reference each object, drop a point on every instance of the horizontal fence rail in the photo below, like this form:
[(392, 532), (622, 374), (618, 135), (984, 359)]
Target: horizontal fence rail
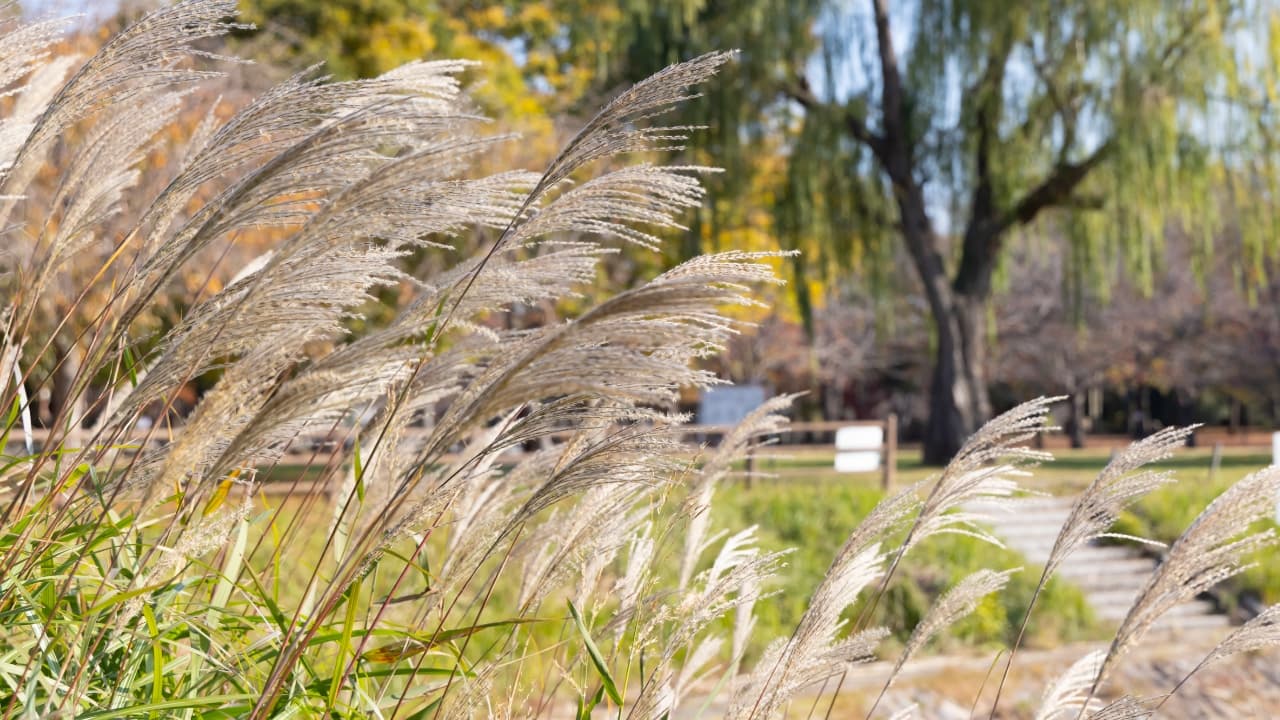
[(311, 450)]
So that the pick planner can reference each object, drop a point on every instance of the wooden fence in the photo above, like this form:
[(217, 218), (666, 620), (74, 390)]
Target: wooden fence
[(313, 449)]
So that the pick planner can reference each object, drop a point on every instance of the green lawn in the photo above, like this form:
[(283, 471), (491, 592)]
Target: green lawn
[(1070, 470), (815, 517), (811, 510)]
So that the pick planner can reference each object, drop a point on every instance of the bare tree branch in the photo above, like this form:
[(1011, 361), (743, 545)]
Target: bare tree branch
[(802, 93), (895, 121), (982, 237), (1057, 189)]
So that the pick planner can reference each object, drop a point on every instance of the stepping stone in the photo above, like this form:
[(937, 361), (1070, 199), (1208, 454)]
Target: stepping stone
[(1110, 576)]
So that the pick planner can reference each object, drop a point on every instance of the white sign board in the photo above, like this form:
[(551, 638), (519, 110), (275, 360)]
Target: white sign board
[(858, 448), (860, 437), (729, 404), (861, 461)]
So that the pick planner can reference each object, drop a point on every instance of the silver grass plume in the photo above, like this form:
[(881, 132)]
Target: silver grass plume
[(695, 668), (484, 493), (620, 128), (576, 461), (598, 525), (1263, 631), (611, 468), (634, 348), (1066, 696), (24, 49), (278, 126), (225, 410), (380, 461), (1259, 633), (1125, 708), (613, 204), (393, 518), (1212, 549), (319, 398), (1120, 483), (958, 602), (735, 577), (327, 160), (628, 456), (614, 129), (814, 652), (423, 205), (763, 420), (137, 60), (205, 535), (302, 301), (104, 167), (473, 698), (655, 338), (986, 468), (597, 556), (631, 585), (744, 626), (507, 279), (32, 100), (824, 663)]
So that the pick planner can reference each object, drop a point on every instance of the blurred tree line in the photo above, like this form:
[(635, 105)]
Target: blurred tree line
[(992, 199)]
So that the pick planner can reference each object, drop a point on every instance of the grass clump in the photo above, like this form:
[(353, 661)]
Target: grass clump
[(446, 575)]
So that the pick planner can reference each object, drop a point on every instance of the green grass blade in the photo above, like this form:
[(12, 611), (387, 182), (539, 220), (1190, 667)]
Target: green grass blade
[(180, 704), (596, 658), (157, 659)]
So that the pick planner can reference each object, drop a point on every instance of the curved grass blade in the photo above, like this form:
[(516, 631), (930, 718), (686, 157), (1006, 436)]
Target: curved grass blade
[(597, 659)]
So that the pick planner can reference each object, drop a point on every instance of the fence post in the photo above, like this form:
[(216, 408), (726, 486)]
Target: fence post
[(890, 450)]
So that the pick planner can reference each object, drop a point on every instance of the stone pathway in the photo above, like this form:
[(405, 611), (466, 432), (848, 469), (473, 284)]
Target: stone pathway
[(1110, 575)]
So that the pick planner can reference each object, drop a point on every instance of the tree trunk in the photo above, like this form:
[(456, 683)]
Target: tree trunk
[(958, 401), (1186, 411), (1075, 423)]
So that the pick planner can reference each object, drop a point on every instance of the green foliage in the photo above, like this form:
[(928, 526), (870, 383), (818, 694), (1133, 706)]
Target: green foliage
[(1164, 107), (536, 63), (1165, 513), (813, 519)]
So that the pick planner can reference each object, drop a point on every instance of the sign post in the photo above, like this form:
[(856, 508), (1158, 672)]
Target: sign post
[(869, 447)]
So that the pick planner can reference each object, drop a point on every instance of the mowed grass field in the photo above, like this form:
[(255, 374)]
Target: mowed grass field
[(1069, 472)]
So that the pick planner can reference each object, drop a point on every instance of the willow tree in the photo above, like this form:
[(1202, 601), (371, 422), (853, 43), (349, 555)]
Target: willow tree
[(945, 126)]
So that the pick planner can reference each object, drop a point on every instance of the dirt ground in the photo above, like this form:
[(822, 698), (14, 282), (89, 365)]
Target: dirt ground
[(944, 687)]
